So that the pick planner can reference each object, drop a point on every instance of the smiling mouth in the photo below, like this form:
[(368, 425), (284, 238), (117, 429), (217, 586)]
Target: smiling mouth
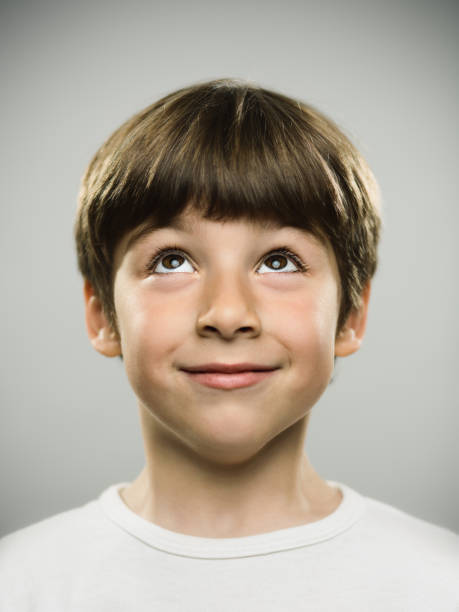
[(233, 380)]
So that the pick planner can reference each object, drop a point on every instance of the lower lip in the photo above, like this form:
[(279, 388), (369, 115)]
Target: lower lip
[(218, 380)]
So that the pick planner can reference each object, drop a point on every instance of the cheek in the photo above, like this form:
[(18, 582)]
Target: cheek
[(307, 330), (150, 330)]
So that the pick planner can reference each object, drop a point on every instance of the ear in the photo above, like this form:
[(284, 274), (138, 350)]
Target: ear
[(103, 338), (350, 337)]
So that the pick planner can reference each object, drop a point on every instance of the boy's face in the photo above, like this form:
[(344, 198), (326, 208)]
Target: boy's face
[(225, 294)]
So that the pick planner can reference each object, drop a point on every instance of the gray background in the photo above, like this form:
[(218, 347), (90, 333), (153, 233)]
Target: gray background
[(387, 73)]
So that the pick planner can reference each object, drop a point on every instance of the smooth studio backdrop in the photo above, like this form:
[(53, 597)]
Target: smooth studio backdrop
[(387, 73)]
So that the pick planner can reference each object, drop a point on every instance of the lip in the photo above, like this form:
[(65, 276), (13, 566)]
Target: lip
[(227, 368), (235, 380)]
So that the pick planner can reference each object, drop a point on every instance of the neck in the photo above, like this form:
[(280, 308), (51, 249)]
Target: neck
[(207, 496)]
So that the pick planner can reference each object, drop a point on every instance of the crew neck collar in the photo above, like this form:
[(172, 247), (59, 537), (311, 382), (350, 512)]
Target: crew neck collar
[(349, 511)]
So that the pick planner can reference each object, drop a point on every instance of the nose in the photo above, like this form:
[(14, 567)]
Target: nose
[(228, 309)]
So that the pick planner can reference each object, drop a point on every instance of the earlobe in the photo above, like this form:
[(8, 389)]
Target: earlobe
[(351, 336), (103, 338)]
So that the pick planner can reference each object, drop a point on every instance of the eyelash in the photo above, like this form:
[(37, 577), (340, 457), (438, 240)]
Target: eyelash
[(167, 250)]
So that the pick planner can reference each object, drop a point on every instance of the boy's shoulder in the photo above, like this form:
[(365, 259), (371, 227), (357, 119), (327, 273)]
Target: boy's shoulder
[(67, 537), (39, 562), (391, 528), (56, 531)]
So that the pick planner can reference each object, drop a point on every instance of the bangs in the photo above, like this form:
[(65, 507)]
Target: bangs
[(246, 156)]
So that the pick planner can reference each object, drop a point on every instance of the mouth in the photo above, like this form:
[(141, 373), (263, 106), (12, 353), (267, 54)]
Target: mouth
[(229, 380)]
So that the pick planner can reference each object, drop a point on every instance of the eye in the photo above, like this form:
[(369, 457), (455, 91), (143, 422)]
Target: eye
[(168, 259), (279, 257), (172, 258)]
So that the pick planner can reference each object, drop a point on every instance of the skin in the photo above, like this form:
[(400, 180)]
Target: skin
[(226, 463)]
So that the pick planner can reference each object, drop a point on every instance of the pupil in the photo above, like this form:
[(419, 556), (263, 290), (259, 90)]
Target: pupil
[(276, 264), (174, 262)]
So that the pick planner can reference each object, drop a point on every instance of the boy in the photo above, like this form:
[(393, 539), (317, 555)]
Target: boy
[(227, 236)]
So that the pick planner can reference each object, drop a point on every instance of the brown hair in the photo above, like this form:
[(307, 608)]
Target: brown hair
[(235, 151)]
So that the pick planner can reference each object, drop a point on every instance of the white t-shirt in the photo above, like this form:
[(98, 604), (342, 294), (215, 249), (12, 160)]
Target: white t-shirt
[(366, 556)]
